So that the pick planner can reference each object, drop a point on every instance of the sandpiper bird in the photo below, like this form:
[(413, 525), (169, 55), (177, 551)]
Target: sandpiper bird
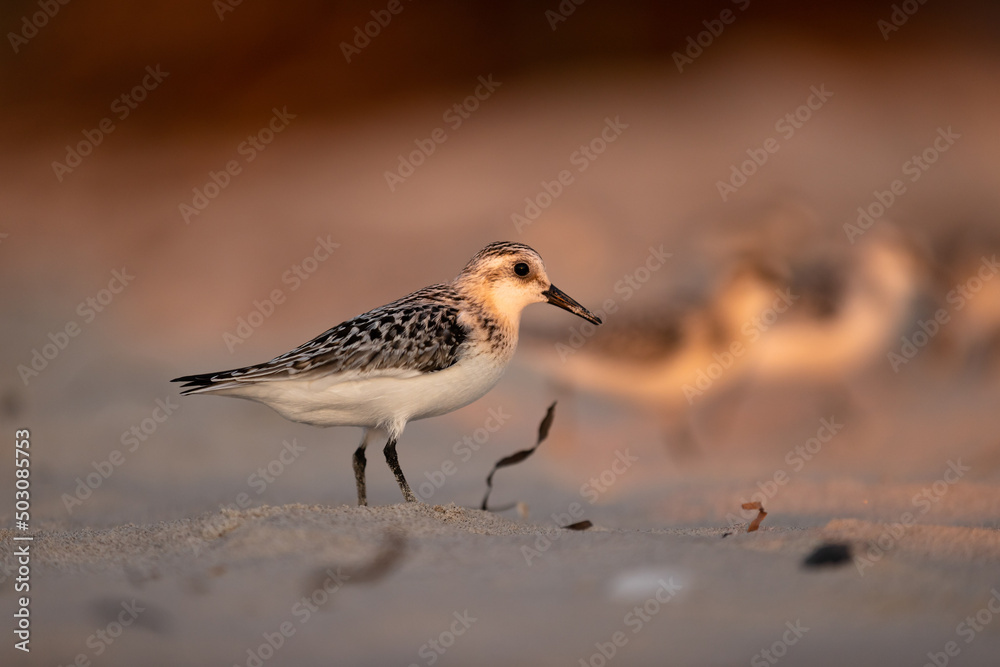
[(424, 355)]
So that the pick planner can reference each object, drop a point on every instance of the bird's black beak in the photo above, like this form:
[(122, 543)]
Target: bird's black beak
[(557, 297)]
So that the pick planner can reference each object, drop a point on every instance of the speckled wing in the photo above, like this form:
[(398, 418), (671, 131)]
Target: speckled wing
[(419, 333)]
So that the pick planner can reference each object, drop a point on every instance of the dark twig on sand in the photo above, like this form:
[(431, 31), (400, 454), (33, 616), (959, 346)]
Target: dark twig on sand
[(517, 457)]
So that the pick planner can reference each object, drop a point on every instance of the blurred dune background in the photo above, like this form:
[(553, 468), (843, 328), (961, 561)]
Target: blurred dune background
[(714, 157)]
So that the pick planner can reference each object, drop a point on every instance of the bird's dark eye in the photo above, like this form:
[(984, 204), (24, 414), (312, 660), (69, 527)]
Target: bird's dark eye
[(521, 269)]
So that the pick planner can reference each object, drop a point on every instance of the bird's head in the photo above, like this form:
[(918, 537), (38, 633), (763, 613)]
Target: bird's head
[(509, 276)]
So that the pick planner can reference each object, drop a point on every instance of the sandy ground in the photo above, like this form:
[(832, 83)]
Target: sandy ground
[(347, 585), (145, 568)]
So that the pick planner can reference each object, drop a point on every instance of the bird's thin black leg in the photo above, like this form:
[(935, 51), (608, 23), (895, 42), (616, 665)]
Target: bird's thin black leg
[(359, 469), (393, 461)]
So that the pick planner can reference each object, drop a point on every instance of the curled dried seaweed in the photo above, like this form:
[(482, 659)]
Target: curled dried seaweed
[(755, 524), (517, 457)]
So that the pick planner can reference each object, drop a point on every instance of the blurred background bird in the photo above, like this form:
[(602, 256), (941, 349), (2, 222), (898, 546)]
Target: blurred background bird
[(808, 316)]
